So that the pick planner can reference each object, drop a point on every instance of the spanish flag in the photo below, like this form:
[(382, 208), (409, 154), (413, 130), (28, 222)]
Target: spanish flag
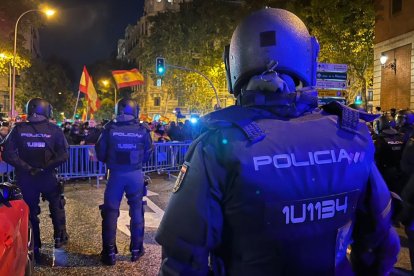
[(126, 78), (83, 84), (86, 87)]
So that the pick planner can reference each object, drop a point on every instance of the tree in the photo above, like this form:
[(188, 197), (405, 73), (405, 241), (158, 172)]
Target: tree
[(345, 30), (10, 10), (193, 38), (46, 80)]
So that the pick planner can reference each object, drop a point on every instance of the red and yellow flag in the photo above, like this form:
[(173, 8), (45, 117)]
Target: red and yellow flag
[(83, 84), (126, 78), (86, 87)]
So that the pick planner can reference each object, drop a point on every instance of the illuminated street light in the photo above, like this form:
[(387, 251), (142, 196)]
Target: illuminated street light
[(48, 12), (383, 59), (60, 93), (105, 83)]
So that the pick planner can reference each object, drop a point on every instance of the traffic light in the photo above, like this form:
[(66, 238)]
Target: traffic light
[(160, 66), (358, 99)]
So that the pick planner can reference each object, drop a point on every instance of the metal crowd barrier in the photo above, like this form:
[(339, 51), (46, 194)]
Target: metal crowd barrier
[(167, 157), (82, 163)]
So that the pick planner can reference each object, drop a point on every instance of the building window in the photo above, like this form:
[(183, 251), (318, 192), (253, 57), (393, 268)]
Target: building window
[(157, 101), (370, 96), (396, 6)]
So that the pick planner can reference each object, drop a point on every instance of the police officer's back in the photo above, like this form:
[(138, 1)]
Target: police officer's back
[(35, 148), (275, 186), (389, 145), (124, 146)]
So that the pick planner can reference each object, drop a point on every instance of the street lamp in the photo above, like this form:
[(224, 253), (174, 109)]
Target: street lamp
[(107, 83), (48, 13)]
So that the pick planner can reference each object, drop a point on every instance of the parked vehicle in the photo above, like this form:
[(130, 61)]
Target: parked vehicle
[(16, 243)]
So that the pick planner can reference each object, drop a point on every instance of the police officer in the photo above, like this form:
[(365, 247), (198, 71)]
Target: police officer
[(35, 148), (407, 215), (275, 186), (124, 146), (388, 151), (405, 123)]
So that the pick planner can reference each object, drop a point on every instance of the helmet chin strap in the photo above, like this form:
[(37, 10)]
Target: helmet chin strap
[(278, 92)]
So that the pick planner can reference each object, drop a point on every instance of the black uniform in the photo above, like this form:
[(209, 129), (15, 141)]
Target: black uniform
[(124, 146), (35, 149), (388, 151)]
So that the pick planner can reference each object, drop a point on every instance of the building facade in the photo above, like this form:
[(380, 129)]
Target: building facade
[(154, 98), (393, 84)]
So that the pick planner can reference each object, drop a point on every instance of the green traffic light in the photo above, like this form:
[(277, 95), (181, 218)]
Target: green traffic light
[(160, 70)]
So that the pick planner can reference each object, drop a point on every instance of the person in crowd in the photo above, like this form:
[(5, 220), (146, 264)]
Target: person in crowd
[(124, 146), (187, 131), (75, 134), (275, 186), (4, 131), (67, 131), (160, 135), (393, 114), (36, 148), (174, 132), (407, 214), (93, 132)]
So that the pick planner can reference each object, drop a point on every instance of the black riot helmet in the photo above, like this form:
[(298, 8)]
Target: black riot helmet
[(39, 106), (127, 107), (404, 117)]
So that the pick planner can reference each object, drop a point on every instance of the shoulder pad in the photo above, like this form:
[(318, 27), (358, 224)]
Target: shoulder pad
[(348, 117), (108, 125), (145, 126), (241, 117)]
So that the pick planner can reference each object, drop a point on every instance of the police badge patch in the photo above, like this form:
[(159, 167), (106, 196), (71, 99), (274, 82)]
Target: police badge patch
[(180, 177)]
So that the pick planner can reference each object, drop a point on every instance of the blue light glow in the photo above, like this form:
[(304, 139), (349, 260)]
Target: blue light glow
[(225, 141), (193, 120)]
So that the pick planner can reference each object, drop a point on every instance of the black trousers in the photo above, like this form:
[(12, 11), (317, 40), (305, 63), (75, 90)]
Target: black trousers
[(32, 187)]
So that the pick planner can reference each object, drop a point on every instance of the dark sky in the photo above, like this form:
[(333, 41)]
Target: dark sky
[(84, 31)]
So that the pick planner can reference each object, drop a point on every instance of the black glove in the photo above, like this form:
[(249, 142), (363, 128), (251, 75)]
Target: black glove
[(34, 171)]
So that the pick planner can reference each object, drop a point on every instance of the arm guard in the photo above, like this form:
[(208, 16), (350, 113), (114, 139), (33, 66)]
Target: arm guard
[(60, 154), (376, 244), (192, 224), (11, 154)]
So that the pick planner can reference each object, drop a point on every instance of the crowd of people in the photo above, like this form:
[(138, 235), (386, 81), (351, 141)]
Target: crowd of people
[(87, 133)]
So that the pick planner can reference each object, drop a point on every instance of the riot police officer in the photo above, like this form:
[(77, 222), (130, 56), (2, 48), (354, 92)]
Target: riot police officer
[(35, 148), (275, 186), (124, 146), (389, 145), (405, 123)]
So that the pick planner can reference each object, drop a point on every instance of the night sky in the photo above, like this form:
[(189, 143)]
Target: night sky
[(84, 31)]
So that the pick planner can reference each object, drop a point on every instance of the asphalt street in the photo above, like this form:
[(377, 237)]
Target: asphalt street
[(81, 255)]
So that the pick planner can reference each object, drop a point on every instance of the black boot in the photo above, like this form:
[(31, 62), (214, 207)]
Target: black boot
[(108, 255), (61, 238), (37, 255), (136, 254)]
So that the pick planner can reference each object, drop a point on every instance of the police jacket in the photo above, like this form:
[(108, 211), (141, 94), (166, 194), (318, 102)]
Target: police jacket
[(261, 194), (407, 165), (124, 145), (35, 145)]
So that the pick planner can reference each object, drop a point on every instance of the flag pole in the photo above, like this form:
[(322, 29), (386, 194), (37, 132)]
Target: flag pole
[(76, 106), (87, 112), (115, 97)]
